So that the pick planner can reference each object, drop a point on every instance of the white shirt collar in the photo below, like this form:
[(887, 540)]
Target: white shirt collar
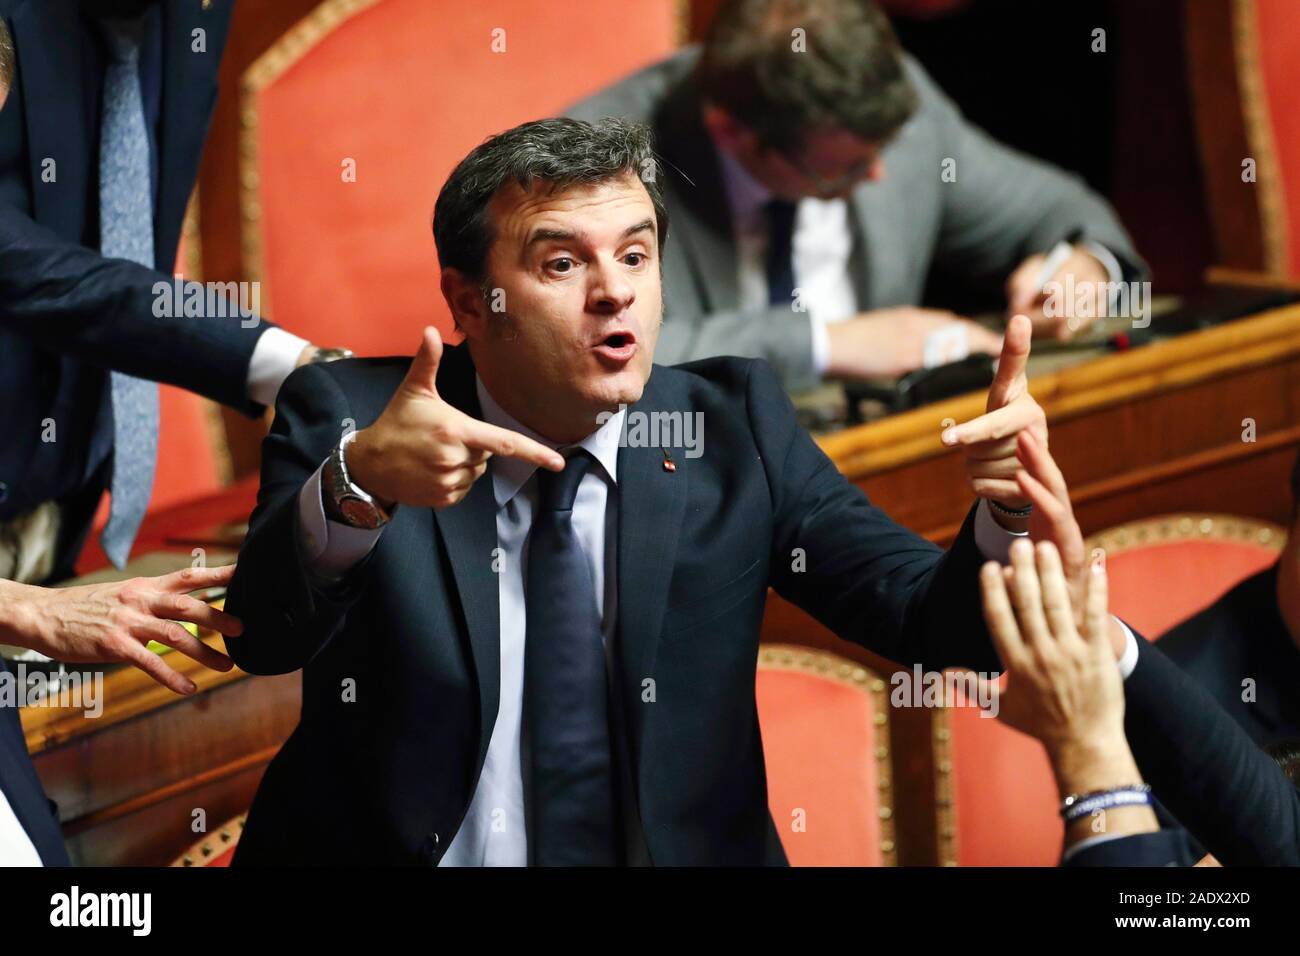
[(511, 474)]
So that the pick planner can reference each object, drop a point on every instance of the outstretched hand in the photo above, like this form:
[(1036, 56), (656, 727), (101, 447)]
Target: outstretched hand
[(425, 452), (114, 622)]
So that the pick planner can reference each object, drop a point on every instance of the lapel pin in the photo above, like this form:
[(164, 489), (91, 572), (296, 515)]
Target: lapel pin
[(669, 464)]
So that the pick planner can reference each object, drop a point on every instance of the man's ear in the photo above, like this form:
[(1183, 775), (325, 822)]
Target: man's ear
[(464, 297), (727, 131)]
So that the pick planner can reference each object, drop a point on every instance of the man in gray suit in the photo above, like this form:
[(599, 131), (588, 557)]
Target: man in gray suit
[(815, 176)]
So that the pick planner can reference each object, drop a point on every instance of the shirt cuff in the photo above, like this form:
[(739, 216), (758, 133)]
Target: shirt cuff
[(821, 345), (1090, 841), (1114, 270), (274, 356), (1129, 659), (330, 548), (1106, 258), (993, 540)]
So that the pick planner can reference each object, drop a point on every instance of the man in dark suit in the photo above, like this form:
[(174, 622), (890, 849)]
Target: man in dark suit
[(816, 176), (1244, 649), (99, 148), (526, 594)]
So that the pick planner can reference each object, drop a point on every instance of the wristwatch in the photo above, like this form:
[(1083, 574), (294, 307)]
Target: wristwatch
[(330, 355), (344, 500)]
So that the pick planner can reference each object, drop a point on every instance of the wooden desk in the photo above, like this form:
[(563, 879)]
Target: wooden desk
[(1152, 431)]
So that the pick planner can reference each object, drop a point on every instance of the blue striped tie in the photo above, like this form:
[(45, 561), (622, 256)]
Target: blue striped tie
[(126, 232), (574, 816)]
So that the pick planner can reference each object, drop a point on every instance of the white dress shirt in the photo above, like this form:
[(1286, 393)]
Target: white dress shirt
[(493, 831), (16, 848), (274, 356), (822, 245)]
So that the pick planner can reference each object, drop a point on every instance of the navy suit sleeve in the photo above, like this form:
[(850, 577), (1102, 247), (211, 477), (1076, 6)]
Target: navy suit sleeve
[(288, 617), (1228, 793), (1158, 848), (73, 301), (867, 578)]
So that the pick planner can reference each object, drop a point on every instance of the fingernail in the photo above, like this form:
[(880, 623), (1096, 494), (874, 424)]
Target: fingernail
[(949, 437)]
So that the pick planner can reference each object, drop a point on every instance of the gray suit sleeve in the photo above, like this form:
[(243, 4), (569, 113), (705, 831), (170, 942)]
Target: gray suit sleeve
[(782, 338), (1005, 206)]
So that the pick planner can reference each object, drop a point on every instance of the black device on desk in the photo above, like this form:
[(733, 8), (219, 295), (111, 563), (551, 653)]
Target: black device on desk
[(1215, 304), (922, 386)]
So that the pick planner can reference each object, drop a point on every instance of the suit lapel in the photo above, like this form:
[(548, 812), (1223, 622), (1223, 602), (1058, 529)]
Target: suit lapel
[(651, 503), (701, 217), (48, 37), (469, 533)]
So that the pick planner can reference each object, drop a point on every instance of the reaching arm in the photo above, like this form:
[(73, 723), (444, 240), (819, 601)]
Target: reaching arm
[(105, 312), (867, 578), (1228, 793)]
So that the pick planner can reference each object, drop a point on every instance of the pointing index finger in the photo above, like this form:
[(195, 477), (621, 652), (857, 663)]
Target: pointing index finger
[(1012, 362), (508, 444)]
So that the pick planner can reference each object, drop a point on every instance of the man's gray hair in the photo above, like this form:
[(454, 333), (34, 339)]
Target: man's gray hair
[(552, 153)]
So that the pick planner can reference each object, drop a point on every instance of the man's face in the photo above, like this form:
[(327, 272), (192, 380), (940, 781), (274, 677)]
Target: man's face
[(829, 164), (575, 277)]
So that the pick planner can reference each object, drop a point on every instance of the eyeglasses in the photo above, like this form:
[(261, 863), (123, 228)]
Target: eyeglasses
[(833, 187)]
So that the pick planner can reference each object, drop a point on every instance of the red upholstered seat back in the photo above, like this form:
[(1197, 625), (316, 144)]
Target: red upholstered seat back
[(399, 92), (826, 745), (1278, 44), (1161, 571)]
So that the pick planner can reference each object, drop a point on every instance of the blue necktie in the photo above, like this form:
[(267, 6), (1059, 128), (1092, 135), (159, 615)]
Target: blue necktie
[(780, 252), (566, 707), (126, 232)]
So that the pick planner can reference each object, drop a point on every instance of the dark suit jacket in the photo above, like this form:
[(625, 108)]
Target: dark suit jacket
[(23, 790), (388, 778), (1161, 848), (1240, 636), (66, 314), (1206, 770), (1002, 207)]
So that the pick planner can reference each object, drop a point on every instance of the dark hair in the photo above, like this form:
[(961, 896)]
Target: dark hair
[(1286, 753), (848, 74), (7, 58), (555, 152)]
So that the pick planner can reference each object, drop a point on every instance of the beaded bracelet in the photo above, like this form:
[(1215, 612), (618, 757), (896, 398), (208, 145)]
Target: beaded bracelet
[(1078, 805)]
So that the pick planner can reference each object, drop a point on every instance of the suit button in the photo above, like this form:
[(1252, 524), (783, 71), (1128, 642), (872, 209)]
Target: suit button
[(430, 848), (4, 492)]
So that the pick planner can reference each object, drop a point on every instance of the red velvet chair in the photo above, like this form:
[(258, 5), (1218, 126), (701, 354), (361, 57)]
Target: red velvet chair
[(216, 848), (825, 727), (997, 798), (1244, 60), (354, 119)]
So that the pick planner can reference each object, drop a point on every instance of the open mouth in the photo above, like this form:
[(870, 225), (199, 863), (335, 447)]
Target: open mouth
[(618, 346)]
